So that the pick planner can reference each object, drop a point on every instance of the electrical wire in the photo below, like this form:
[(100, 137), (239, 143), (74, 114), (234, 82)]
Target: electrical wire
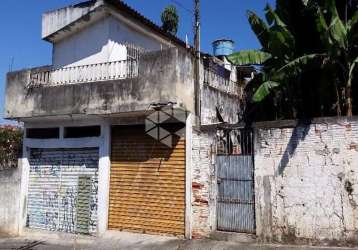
[(182, 6)]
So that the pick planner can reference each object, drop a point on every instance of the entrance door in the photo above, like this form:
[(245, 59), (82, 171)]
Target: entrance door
[(235, 174), (147, 186)]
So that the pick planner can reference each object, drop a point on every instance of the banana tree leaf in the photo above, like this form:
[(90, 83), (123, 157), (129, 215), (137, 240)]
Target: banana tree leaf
[(272, 17), (264, 90), (293, 68), (298, 66), (305, 2), (280, 45), (336, 29), (246, 57), (322, 28), (338, 32), (260, 28), (282, 42), (351, 70), (330, 5)]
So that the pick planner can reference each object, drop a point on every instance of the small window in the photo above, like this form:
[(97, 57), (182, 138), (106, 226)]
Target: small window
[(78, 132), (42, 133)]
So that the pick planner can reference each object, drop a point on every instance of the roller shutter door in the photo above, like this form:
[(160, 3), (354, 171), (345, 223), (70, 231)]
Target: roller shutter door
[(147, 186), (62, 192)]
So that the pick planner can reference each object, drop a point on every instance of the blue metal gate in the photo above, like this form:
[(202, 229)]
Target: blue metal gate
[(235, 176)]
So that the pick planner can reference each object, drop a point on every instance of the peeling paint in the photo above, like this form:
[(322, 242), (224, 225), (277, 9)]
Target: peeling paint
[(314, 199)]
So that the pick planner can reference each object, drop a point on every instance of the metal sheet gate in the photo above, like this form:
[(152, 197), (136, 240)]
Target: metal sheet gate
[(235, 174), (147, 189), (62, 193)]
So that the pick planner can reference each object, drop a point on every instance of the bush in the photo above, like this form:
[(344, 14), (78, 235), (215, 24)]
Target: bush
[(10, 146)]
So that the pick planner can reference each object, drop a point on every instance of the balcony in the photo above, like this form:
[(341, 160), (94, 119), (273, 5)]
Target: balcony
[(222, 79), (103, 88), (85, 73), (221, 93)]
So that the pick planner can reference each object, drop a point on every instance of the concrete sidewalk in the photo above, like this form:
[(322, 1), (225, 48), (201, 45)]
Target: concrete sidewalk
[(121, 240)]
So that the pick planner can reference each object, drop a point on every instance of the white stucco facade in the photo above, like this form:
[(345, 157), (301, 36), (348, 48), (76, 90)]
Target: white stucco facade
[(103, 41)]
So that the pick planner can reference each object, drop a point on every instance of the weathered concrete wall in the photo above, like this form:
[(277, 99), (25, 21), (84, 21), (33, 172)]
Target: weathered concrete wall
[(203, 184), (10, 200), (306, 182), (163, 76), (228, 106), (220, 92), (53, 21)]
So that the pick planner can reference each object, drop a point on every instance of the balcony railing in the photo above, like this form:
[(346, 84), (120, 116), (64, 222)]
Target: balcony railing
[(221, 82), (86, 73)]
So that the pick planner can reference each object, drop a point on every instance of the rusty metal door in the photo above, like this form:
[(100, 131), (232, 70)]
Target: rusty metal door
[(147, 188), (236, 199)]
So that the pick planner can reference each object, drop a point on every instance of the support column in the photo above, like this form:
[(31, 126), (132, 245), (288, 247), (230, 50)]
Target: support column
[(188, 184), (25, 170), (104, 167)]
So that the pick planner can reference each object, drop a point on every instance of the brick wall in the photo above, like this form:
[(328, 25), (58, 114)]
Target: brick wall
[(203, 184), (306, 182)]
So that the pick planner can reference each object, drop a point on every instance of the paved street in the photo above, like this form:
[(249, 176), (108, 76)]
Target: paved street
[(120, 240)]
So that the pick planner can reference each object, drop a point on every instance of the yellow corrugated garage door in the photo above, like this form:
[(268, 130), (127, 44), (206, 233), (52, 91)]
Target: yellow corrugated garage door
[(147, 187)]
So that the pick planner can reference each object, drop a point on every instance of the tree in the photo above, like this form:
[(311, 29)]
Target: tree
[(170, 19), (10, 146), (304, 40), (279, 49)]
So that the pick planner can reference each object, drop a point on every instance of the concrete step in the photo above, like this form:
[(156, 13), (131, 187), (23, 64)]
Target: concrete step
[(233, 237)]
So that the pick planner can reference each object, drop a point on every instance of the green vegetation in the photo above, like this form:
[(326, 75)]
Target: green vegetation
[(10, 146), (170, 19), (309, 60)]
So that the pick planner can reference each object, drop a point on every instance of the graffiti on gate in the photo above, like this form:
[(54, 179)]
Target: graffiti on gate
[(94, 190), (54, 170), (59, 208), (54, 200), (51, 220), (50, 199), (36, 169), (68, 204)]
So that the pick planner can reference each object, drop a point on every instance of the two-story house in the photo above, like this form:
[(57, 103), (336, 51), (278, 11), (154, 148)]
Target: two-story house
[(111, 139)]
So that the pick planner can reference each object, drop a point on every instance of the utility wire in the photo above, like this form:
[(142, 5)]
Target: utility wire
[(186, 9), (182, 6)]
